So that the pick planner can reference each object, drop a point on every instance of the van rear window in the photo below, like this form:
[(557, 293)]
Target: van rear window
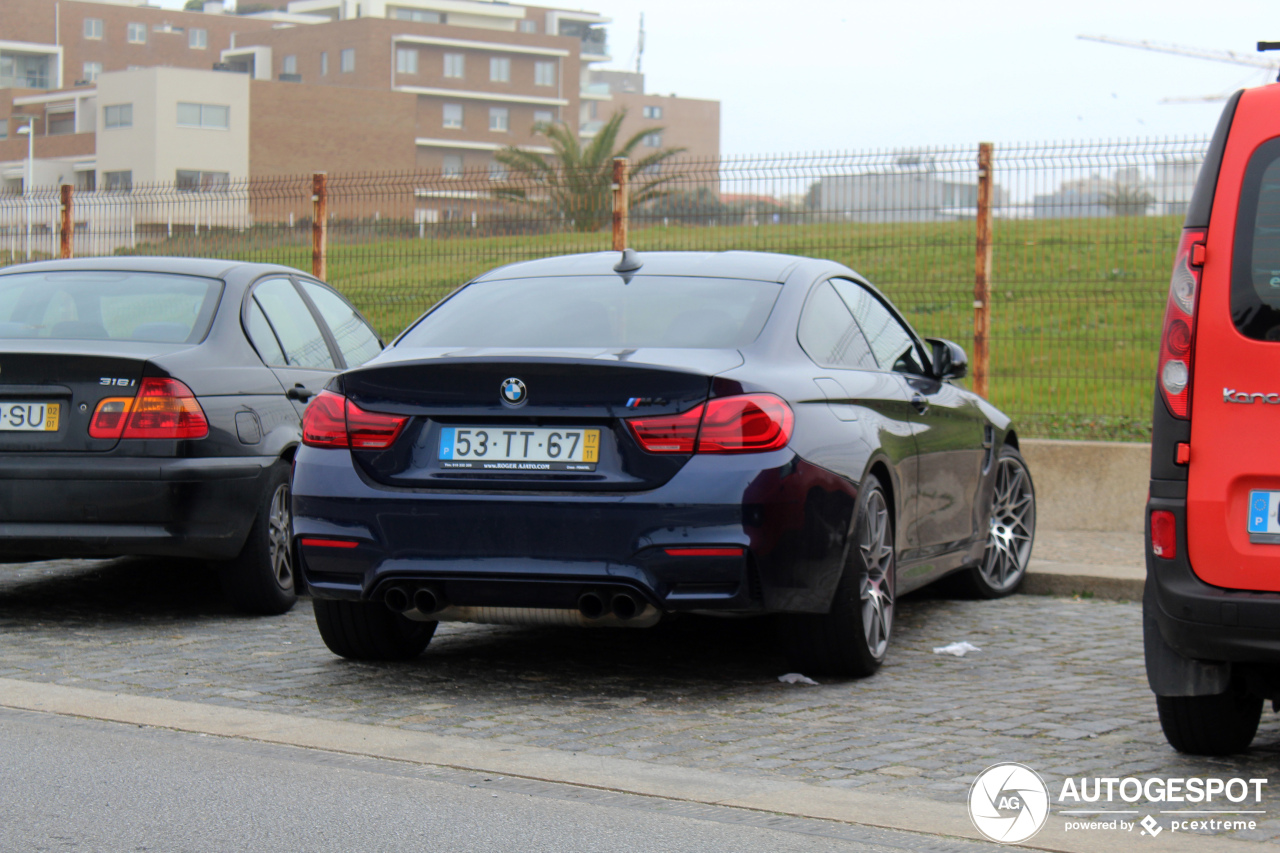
[(1255, 277)]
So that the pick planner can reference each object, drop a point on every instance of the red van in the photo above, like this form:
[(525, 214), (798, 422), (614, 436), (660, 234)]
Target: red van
[(1211, 610)]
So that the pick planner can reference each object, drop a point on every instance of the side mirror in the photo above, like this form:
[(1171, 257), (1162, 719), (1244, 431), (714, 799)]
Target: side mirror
[(949, 359)]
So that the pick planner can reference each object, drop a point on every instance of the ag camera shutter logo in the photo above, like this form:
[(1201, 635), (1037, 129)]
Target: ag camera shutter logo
[(1008, 802)]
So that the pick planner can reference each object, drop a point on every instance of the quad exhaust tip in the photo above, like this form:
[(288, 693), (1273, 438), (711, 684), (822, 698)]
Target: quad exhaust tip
[(397, 599), (591, 605)]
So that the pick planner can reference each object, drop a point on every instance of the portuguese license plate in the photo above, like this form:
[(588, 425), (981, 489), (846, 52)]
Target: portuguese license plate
[(530, 449), (29, 417), (1264, 517)]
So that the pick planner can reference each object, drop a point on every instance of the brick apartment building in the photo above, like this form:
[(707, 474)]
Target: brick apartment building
[(121, 94)]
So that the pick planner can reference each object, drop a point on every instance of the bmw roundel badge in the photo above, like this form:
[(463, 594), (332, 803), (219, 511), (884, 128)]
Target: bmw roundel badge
[(513, 392)]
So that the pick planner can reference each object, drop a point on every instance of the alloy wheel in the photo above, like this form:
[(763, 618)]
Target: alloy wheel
[(279, 522), (875, 542), (1013, 524)]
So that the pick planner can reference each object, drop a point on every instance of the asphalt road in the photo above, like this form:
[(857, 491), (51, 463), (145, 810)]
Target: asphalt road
[(72, 784)]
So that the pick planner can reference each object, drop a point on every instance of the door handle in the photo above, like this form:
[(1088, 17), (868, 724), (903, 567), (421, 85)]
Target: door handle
[(299, 392), (920, 402)]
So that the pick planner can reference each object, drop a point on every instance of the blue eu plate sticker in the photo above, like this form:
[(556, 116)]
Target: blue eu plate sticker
[(446, 444), (1264, 512)]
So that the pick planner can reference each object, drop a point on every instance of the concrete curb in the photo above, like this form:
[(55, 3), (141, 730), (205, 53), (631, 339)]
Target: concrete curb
[(1082, 583), (614, 774)]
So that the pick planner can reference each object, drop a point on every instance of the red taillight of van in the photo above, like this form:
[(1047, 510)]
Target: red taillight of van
[(1177, 341), (334, 421), (750, 423)]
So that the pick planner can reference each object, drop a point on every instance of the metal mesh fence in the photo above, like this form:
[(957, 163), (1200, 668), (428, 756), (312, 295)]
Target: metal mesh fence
[(1084, 235)]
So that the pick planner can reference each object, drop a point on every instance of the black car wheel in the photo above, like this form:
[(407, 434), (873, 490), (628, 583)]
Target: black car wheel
[(366, 630), (1210, 725), (1011, 535), (853, 637), (261, 578)]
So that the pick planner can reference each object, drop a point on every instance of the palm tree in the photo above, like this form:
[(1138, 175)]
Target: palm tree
[(575, 180)]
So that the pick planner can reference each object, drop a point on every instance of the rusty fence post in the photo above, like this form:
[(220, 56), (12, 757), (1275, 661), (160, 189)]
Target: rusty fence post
[(620, 167), (319, 225), (982, 276), (68, 223)]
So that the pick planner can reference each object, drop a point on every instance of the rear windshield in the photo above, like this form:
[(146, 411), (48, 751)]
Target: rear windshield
[(600, 311), (118, 306), (1255, 277)]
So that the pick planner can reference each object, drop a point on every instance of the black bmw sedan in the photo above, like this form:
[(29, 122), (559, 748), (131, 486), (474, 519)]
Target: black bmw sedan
[(606, 439), (152, 406)]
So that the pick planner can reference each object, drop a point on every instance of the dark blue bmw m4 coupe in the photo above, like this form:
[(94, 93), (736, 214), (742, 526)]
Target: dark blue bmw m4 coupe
[(607, 439)]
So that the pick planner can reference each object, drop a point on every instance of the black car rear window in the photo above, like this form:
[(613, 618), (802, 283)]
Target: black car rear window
[(1255, 276), (118, 306), (600, 311)]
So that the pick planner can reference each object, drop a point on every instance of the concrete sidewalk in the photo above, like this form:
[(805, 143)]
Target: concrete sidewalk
[(1089, 563)]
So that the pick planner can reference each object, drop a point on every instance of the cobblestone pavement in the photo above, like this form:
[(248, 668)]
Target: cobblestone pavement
[(1058, 684)]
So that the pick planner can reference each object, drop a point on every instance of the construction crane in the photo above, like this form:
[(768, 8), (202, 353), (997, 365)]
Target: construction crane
[(1230, 57)]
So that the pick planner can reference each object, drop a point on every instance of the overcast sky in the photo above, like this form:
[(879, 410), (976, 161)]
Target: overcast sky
[(823, 75)]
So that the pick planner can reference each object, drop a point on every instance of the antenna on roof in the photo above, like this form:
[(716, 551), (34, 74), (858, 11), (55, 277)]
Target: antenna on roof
[(1262, 47), (640, 44)]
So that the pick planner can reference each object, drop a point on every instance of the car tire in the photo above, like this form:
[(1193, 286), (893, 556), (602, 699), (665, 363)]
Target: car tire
[(366, 630), (1221, 724), (852, 639), (1011, 533), (262, 579)]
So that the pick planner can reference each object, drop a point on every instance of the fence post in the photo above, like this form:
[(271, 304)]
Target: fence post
[(319, 225), (620, 167), (982, 276), (68, 223)]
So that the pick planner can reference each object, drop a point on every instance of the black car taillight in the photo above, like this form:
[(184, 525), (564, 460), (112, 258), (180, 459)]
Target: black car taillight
[(163, 408), (750, 423), (1177, 341), (331, 420)]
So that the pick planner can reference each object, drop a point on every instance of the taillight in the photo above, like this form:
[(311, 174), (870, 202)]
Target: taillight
[(163, 409), (1177, 342), (750, 423), (332, 420), (1164, 534)]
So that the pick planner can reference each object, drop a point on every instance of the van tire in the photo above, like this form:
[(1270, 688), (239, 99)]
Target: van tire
[(1221, 724)]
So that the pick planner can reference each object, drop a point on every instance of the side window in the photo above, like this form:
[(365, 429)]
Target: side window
[(356, 341), (892, 345), (829, 334), (303, 343), (263, 338)]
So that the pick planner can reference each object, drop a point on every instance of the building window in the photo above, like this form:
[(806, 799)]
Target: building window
[(452, 166), (120, 182), (347, 60), (4, 128), (58, 124), (499, 70), (406, 60), (453, 115), (499, 119), (197, 38), (653, 112), (544, 74), (528, 26), (211, 116), (542, 117), (653, 140), (454, 65), (497, 171), (324, 62), (137, 34), (289, 65), (418, 16), (117, 115), (93, 28), (195, 181), (91, 71)]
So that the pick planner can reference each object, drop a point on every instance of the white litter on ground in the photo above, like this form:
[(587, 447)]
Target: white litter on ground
[(957, 649), (797, 678)]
